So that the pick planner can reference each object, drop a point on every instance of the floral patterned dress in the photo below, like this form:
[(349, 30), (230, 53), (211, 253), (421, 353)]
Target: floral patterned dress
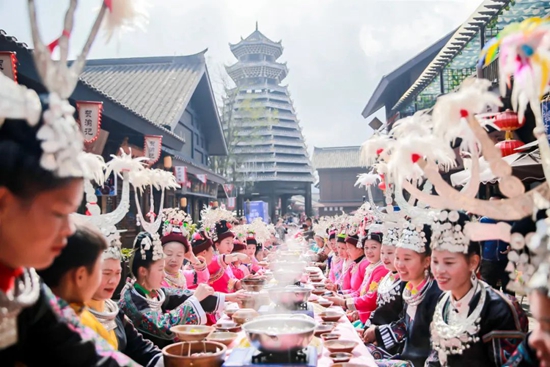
[(365, 302)]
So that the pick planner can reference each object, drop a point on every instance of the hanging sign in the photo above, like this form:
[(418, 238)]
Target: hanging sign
[(89, 117), (202, 178), (228, 189), (8, 64), (231, 203), (181, 175), (152, 146)]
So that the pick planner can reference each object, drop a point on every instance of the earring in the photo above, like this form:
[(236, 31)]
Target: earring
[(474, 276), (426, 273)]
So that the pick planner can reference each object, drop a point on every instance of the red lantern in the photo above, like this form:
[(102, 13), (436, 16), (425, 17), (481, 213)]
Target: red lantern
[(508, 121), (508, 147), (8, 64)]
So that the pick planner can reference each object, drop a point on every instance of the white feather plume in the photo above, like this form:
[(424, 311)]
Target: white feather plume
[(371, 149), (124, 163), (367, 179), (93, 166), (125, 15), (419, 124), (209, 217)]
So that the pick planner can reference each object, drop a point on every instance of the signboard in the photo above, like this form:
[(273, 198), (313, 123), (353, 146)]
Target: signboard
[(8, 64), (89, 117), (545, 106), (181, 175), (151, 149), (231, 203), (256, 209)]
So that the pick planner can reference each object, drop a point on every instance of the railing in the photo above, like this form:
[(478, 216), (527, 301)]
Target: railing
[(490, 72)]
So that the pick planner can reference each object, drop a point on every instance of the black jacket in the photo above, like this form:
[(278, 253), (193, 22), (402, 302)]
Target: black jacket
[(50, 334), (132, 343), (390, 311)]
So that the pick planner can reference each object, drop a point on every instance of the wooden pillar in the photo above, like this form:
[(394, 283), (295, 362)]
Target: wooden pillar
[(307, 199)]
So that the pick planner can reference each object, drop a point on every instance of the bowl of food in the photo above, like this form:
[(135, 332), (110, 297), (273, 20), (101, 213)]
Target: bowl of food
[(189, 333), (232, 327), (324, 302), (327, 336), (196, 354), (230, 309), (340, 357), (323, 329), (331, 315), (314, 298), (223, 337), (245, 315), (253, 284), (289, 297), (318, 292), (279, 334), (340, 346)]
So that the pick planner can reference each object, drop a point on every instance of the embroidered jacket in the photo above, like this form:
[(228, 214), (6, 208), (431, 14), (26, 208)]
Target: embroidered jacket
[(356, 276), (501, 329), (412, 333), (335, 271), (365, 302), (389, 301), (154, 317), (523, 356), (50, 334), (186, 279), (222, 278), (128, 340)]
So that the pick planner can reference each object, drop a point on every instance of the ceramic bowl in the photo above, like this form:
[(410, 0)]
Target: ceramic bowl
[(331, 316), (340, 357), (330, 336), (324, 302), (318, 292), (340, 346), (323, 329), (231, 327), (224, 337), (245, 315), (190, 333)]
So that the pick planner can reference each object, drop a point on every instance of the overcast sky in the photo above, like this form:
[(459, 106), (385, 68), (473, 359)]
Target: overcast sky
[(336, 50)]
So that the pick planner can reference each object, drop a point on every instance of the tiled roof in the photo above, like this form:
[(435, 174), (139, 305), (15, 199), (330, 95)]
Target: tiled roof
[(338, 157), (155, 88)]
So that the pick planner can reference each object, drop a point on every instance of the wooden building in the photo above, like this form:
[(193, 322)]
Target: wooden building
[(338, 168)]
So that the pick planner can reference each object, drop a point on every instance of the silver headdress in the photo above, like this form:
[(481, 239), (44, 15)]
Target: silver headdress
[(448, 232), (177, 219), (392, 234), (413, 238)]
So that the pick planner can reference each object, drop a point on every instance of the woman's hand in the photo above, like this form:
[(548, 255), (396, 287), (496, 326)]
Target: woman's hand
[(337, 301), (242, 258), (331, 286), (190, 256), (353, 316), (369, 336), (236, 297), (203, 291)]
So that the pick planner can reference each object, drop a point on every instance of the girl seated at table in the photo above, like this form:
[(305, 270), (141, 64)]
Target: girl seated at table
[(240, 270), (389, 301), (222, 278), (252, 246), (353, 277), (411, 333), (340, 259), (365, 302), (176, 249), (75, 276), (153, 309), (473, 324)]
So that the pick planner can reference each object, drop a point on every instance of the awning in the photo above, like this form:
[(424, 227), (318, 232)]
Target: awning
[(527, 165)]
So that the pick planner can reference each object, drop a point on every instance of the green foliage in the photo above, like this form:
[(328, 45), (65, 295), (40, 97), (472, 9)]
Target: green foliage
[(126, 253)]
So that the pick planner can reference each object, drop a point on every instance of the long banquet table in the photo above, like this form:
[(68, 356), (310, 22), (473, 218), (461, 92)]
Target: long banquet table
[(361, 355)]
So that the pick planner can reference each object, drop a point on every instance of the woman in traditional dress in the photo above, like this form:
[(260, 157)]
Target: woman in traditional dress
[(353, 278), (389, 301), (222, 278), (240, 270), (176, 249), (340, 265), (365, 302), (411, 333), (251, 249), (153, 309), (473, 324), (86, 275), (38, 191)]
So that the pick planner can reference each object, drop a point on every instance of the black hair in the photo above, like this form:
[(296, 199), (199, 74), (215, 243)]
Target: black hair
[(83, 248), (427, 229), (20, 170), (259, 248), (137, 261)]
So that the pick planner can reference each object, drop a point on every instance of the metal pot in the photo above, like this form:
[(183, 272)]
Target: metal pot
[(253, 284), (282, 334), (289, 297)]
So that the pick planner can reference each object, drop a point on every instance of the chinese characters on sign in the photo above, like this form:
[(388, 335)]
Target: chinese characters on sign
[(151, 150), (181, 175), (89, 116)]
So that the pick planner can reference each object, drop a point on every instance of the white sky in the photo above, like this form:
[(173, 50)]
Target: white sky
[(336, 50)]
